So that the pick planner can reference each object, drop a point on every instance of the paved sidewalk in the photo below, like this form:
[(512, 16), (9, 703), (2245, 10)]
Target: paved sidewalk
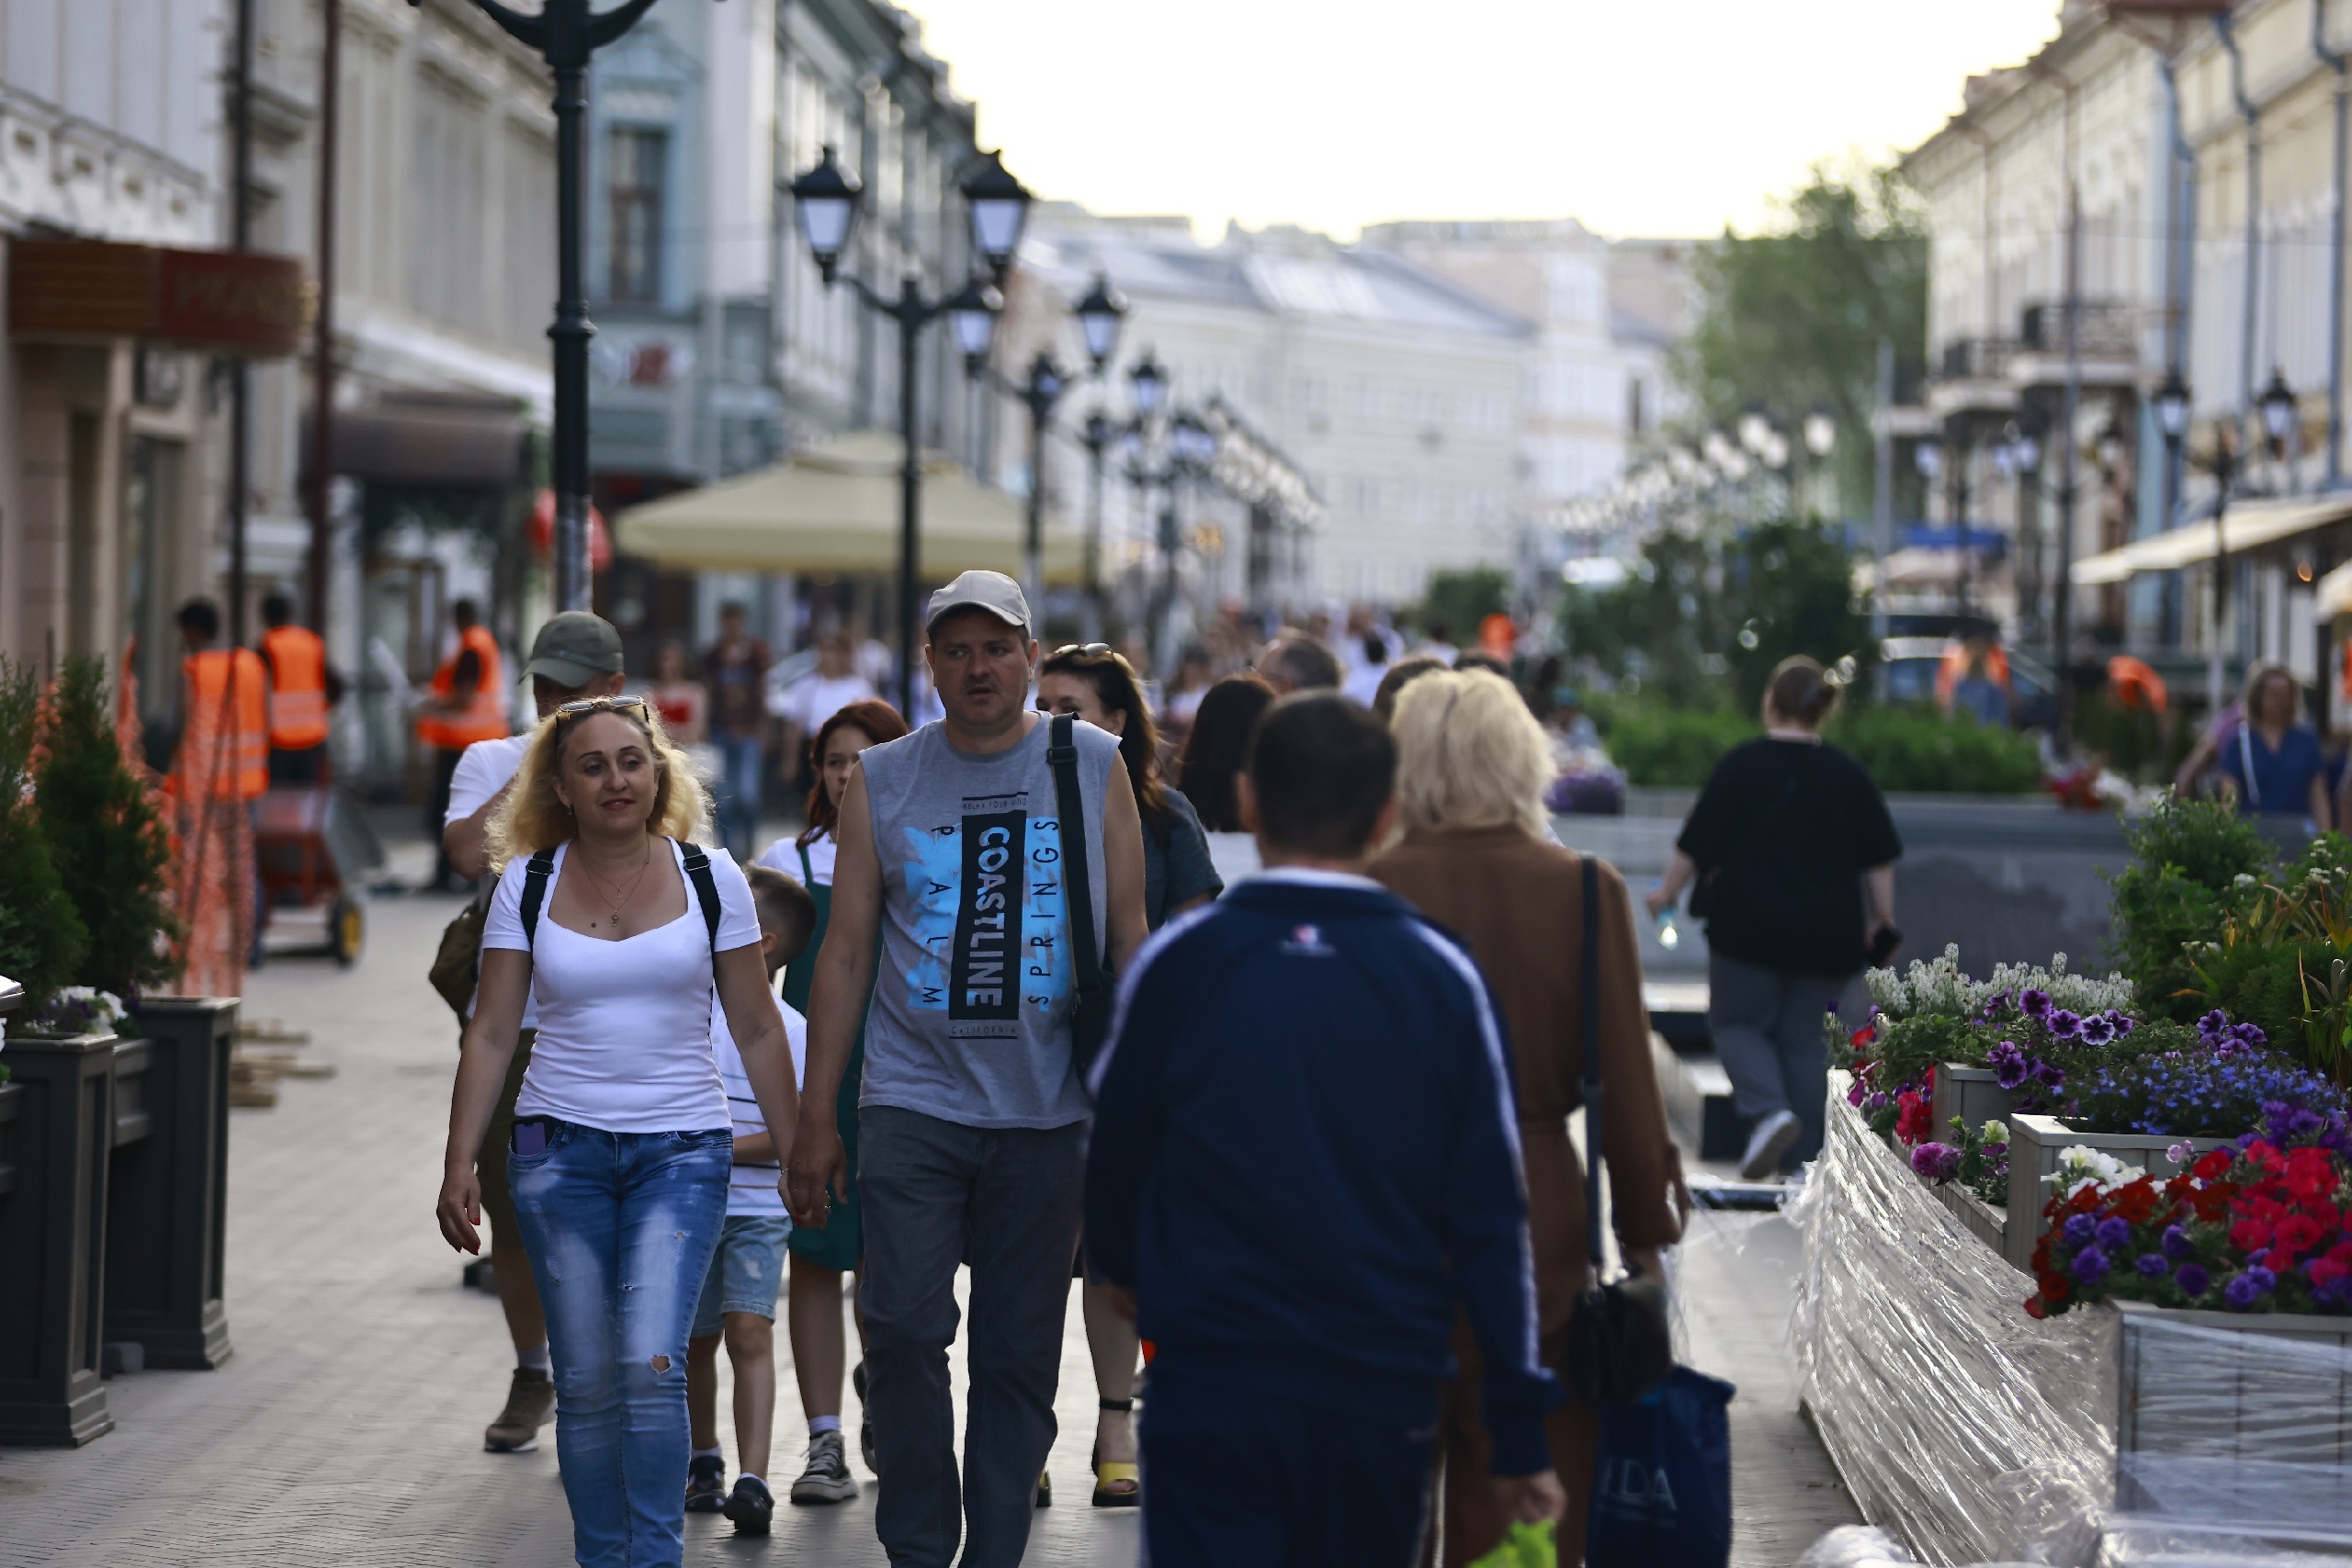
[(347, 1429)]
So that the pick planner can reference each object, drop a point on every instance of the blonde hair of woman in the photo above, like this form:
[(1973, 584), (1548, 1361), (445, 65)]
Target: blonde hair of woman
[(535, 817), (1469, 754)]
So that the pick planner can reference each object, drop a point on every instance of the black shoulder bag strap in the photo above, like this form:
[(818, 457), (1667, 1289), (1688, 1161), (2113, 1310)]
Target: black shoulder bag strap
[(1588, 994), (697, 865), (534, 893), (1093, 989)]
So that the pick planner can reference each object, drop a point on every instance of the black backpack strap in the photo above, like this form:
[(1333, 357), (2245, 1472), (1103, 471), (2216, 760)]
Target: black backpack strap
[(1069, 802), (697, 867), (534, 893), (1588, 993)]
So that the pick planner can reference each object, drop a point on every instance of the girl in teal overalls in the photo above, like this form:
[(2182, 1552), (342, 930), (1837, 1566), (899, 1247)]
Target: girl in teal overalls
[(820, 1257)]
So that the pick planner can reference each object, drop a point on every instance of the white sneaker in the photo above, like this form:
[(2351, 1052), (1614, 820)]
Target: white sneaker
[(1768, 1144), (826, 1479)]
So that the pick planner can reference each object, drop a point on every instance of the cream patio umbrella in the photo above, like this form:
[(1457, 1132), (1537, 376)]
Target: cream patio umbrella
[(835, 509)]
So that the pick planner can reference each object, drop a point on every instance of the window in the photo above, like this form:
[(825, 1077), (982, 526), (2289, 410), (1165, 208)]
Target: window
[(640, 157)]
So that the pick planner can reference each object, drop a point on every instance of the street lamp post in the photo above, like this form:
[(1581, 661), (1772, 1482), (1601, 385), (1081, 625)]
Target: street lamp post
[(827, 200), (2023, 442), (566, 33), (1099, 315), (2172, 402), (1099, 434)]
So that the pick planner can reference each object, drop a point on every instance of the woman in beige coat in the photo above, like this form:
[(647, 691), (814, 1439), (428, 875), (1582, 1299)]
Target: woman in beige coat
[(1472, 765)]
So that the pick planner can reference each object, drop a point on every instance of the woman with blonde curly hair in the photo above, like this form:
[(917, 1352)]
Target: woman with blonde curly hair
[(1472, 765), (621, 930)]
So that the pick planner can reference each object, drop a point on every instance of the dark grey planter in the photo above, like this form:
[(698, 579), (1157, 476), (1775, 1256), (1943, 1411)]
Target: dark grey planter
[(167, 1200), (1969, 1094), (53, 1239)]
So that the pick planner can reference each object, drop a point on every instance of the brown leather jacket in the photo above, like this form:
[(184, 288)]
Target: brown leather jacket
[(1518, 903)]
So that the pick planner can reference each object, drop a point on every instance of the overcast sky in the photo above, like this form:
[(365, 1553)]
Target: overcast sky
[(1639, 117)]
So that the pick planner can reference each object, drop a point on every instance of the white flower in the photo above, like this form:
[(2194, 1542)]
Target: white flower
[(2080, 1166), (1995, 1132)]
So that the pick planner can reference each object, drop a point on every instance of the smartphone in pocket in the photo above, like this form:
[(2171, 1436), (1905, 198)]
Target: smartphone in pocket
[(530, 1135)]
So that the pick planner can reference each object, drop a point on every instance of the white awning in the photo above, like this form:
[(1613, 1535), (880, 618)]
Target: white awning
[(2334, 594), (2249, 525)]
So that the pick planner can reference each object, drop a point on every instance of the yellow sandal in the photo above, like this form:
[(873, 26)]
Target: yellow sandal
[(1117, 1483)]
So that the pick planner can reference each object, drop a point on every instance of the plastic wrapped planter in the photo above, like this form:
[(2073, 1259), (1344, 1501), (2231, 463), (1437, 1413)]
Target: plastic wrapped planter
[(1982, 1434)]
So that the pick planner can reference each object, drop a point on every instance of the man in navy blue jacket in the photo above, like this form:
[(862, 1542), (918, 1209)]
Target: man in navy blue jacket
[(1305, 1161)]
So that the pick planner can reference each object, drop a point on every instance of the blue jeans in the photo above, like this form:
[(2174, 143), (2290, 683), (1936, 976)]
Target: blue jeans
[(743, 776), (620, 1227)]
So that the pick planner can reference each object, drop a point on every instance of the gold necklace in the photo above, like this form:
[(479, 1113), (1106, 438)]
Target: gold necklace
[(613, 915)]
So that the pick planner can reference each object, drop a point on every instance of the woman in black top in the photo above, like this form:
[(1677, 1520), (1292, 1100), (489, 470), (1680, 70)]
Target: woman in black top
[(1793, 853)]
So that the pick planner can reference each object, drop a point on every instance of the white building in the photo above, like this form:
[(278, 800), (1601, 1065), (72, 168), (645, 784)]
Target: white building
[(1393, 391)]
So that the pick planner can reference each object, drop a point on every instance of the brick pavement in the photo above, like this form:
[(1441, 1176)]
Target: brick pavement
[(347, 1429)]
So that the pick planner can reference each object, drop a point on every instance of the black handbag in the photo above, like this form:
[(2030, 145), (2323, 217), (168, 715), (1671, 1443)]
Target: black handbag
[(1090, 1025), (1616, 1343)]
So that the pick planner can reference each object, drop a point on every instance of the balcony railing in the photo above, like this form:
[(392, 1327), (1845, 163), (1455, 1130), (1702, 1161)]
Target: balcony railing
[(2106, 329)]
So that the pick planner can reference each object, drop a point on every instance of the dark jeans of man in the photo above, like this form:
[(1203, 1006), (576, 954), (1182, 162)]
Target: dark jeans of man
[(936, 1194), (437, 807), (1767, 1030), (308, 766), (1243, 1479)]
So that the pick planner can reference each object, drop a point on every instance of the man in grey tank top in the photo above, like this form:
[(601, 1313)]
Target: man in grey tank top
[(950, 912)]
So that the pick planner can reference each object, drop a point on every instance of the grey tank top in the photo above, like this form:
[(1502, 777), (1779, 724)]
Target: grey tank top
[(975, 987)]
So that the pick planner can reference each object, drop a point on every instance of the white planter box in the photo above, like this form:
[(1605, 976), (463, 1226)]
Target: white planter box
[(1986, 1223), (2035, 1143), (1971, 1094)]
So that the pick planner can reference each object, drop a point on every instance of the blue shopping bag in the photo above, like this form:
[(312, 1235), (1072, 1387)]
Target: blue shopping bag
[(1662, 1482)]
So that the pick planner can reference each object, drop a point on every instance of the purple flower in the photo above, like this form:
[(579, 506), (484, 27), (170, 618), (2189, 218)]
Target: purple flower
[(2304, 1121), (2064, 1024), (2152, 1264), (2123, 1021), (1879, 1100), (2049, 1075), (1935, 1162), (2181, 1153), (2193, 1280), (2175, 1242), (2035, 1004), (2216, 1022), (2241, 1293), (2095, 1029), (2114, 1232), (2080, 1230), (2264, 1280), (2090, 1266), (2008, 1062), (2250, 1036), (1854, 1093)]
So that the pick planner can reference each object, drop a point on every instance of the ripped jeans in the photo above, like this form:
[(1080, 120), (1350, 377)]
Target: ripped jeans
[(621, 1227)]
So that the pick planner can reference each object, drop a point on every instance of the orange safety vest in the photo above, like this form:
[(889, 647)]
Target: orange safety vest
[(485, 717), (224, 747), (298, 688)]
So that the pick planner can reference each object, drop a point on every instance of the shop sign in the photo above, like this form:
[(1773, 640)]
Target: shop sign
[(228, 302)]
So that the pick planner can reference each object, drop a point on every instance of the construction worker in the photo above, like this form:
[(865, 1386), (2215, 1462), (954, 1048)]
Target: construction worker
[(467, 704), (301, 689), (220, 766)]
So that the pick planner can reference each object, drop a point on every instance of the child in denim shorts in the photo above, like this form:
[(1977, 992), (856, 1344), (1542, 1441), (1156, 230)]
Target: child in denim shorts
[(739, 1294)]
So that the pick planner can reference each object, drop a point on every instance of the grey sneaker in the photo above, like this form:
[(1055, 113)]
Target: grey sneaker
[(826, 1479), (1770, 1140), (530, 1400), (706, 1484)]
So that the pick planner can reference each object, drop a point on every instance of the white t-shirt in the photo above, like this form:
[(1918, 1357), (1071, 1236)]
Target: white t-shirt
[(812, 699), (624, 1038), (784, 855), (1362, 684), (751, 1189), (483, 769)]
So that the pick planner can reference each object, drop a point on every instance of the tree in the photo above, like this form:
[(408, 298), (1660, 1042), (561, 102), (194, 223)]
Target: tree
[(1789, 589), (1789, 320), (1660, 626), (1460, 600), (106, 836)]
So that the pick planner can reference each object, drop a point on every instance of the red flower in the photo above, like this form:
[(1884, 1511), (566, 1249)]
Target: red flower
[(2055, 1287), (1861, 1037), (2137, 1202), (2034, 1309), (2085, 1202), (2342, 1251), (2250, 1235), (2323, 1270), (2211, 1166), (2298, 1233), (1917, 1119), (2311, 1174), (2269, 1158)]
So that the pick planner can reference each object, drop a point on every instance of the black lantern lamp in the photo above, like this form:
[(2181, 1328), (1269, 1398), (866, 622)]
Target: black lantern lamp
[(1100, 315), (2171, 402), (2277, 403), (2024, 442), (1928, 458), (1000, 206), (1150, 380), (971, 316), (827, 200)]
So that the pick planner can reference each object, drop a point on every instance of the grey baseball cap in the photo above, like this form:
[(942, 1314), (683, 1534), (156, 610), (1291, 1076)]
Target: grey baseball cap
[(574, 647), (989, 591)]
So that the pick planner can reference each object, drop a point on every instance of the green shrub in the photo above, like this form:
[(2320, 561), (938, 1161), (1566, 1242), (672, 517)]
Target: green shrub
[(1668, 747), (2182, 887), (105, 837), (41, 938), (1919, 749)]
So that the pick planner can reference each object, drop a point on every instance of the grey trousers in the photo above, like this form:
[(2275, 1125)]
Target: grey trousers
[(1767, 1025), (936, 1194)]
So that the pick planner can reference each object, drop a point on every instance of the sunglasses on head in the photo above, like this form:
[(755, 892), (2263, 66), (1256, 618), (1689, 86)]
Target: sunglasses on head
[(1089, 649), (597, 705)]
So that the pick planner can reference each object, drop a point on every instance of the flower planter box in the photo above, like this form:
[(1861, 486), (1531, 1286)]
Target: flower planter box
[(53, 1239), (167, 1197), (2035, 1143), (1986, 1223), (1969, 1093)]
